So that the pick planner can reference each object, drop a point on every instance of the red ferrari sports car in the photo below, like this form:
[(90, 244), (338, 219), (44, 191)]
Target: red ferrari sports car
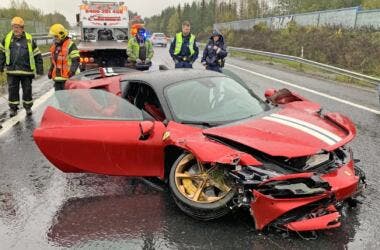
[(212, 140)]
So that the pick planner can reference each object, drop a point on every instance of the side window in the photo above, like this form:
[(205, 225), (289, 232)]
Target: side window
[(129, 90), (146, 99), (94, 104)]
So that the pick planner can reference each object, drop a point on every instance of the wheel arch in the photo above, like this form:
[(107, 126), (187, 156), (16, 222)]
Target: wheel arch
[(171, 154)]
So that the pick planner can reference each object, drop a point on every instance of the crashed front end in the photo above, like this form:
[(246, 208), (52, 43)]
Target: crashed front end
[(292, 168), (301, 194)]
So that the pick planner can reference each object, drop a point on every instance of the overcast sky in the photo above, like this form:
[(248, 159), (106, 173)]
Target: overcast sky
[(69, 8)]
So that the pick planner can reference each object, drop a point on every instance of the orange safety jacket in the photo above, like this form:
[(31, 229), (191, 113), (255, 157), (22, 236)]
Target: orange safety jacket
[(61, 63)]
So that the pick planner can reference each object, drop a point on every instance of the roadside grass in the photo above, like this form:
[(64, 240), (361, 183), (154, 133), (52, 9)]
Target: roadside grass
[(304, 68)]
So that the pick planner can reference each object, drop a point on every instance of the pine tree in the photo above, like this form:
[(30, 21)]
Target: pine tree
[(174, 24)]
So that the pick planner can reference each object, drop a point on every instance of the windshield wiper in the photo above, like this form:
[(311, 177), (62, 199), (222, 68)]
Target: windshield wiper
[(240, 119), (205, 124)]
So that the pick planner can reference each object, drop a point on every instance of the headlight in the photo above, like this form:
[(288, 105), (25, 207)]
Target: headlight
[(316, 160), (343, 155)]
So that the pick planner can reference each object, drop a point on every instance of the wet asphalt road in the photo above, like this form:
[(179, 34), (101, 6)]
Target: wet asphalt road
[(42, 208)]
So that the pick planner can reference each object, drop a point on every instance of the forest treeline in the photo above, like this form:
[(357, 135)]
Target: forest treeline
[(30, 13), (203, 14), (358, 50)]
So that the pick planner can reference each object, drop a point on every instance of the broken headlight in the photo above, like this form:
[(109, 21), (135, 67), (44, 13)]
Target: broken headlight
[(309, 163), (343, 155), (291, 188), (316, 160)]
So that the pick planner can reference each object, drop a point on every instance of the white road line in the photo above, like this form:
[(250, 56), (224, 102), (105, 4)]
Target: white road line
[(7, 125), (308, 90)]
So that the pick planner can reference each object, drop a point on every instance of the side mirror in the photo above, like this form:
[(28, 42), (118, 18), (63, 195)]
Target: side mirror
[(269, 93), (146, 129), (282, 96)]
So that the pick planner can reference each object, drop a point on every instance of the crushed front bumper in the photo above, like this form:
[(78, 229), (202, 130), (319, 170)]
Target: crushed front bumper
[(311, 211)]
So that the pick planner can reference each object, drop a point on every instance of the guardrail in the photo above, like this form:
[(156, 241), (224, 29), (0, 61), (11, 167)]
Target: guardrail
[(354, 75), (47, 39), (42, 38), (47, 54), (39, 34)]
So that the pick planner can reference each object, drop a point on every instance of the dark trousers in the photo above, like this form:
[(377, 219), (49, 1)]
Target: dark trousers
[(59, 86), (180, 65), (14, 89), (214, 68)]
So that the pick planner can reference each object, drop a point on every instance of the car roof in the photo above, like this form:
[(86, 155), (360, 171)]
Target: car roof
[(158, 34), (162, 78)]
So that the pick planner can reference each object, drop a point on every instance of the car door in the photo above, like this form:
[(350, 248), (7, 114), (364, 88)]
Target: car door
[(91, 130)]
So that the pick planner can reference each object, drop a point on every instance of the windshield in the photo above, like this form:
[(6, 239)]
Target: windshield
[(212, 100), (159, 35), (94, 104)]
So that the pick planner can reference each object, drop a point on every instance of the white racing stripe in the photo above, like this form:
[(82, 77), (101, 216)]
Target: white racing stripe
[(309, 125), (7, 125), (302, 128), (309, 90)]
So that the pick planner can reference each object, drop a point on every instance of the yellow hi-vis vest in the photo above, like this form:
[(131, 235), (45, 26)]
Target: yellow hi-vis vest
[(32, 53), (179, 41)]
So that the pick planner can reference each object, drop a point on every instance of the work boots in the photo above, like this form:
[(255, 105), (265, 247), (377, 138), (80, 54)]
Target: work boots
[(28, 111), (12, 112)]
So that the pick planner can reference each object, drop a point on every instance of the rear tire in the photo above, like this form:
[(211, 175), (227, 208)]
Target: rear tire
[(207, 201)]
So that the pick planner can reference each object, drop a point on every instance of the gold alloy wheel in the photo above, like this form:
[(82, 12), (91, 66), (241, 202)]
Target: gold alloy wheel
[(199, 184)]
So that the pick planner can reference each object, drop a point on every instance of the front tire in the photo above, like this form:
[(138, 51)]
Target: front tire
[(203, 192)]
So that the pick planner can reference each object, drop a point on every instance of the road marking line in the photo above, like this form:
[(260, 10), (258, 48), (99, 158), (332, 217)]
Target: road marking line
[(8, 124), (309, 90)]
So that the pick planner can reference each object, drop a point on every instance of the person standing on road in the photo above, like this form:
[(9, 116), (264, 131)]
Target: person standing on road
[(64, 57), (183, 49), (21, 56), (140, 49), (214, 52)]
